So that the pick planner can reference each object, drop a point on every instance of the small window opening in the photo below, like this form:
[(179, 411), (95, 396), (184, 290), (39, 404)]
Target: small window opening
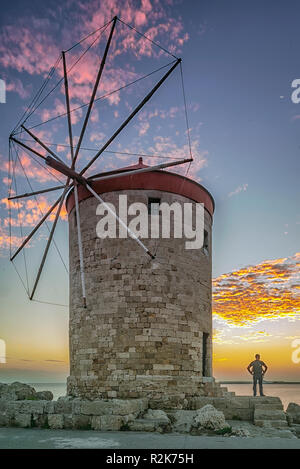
[(206, 243)]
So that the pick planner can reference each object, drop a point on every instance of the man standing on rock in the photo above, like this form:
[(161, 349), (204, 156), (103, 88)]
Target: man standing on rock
[(257, 369)]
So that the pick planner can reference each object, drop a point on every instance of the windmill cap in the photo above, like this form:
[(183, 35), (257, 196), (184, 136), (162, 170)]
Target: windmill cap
[(161, 180)]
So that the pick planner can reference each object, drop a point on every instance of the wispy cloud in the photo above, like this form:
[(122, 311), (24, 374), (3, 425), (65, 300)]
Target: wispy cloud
[(239, 189)]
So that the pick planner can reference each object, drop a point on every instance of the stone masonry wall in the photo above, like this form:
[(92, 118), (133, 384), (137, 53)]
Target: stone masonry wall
[(141, 334)]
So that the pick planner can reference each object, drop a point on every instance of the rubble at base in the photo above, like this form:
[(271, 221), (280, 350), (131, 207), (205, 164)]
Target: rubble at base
[(230, 416), (20, 391)]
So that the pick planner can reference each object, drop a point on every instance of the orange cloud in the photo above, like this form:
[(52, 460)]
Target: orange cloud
[(6, 240), (28, 212), (268, 290)]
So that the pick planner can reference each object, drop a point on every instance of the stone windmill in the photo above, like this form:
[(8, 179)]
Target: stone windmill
[(140, 313)]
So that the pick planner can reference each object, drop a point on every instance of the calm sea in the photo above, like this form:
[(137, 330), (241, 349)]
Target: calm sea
[(286, 392)]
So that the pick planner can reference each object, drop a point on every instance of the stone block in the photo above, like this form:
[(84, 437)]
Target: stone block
[(238, 414), (68, 421), (22, 420), (26, 407), (168, 402), (56, 421), (50, 407), (271, 423), (44, 395), (195, 403), (142, 425), (264, 400), (107, 422), (114, 407), (238, 402), (158, 415), (276, 406), (293, 410), (219, 403), (16, 391), (262, 414), (82, 422), (182, 420), (4, 419)]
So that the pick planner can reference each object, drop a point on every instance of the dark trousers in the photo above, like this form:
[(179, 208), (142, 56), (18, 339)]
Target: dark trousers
[(259, 379)]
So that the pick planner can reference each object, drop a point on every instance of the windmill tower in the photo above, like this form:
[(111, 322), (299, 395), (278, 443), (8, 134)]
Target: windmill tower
[(140, 313), (147, 328)]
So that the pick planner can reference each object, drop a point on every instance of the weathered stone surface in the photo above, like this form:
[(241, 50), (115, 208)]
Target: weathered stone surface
[(237, 414), (158, 415), (16, 391), (295, 428), (262, 431), (22, 420), (265, 414), (63, 405), (210, 418), (219, 403), (4, 420), (293, 410), (240, 431), (195, 403), (182, 420), (168, 401), (56, 421), (68, 421), (113, 407), (142, 332), (262, 400), (143, 425), (239, 402), (107, 422), (271, 423), (44, 395), (275, 406), (25, 407), (128, 418), (81, 422)]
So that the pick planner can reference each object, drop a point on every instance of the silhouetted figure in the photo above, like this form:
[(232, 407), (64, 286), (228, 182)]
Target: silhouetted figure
[(257, 369)]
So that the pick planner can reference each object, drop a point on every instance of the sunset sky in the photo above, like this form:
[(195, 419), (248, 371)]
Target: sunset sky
[(239, 61)]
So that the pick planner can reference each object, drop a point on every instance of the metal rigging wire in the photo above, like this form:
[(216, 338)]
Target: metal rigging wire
[(106, 151), (38, 205), (100, 97), (36, 97), (148, 39), (19, 219), (34, 105), (31, 109)]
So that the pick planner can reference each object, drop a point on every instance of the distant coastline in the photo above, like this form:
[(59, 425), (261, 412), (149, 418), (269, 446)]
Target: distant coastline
[(266, 382)]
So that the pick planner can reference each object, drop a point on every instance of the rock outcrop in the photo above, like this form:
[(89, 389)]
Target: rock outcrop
[(21, 391), (210, 418), (293, 412), (17, 391)]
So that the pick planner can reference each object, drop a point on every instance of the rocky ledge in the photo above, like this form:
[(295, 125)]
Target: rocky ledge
[(22, 406), (20, 391)]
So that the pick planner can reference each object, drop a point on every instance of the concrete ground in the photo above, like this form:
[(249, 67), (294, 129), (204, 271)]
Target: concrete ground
[(19, 438)]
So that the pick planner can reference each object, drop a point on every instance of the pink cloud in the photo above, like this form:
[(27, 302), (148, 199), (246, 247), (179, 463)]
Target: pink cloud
[(34, 49), (17, 86)]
